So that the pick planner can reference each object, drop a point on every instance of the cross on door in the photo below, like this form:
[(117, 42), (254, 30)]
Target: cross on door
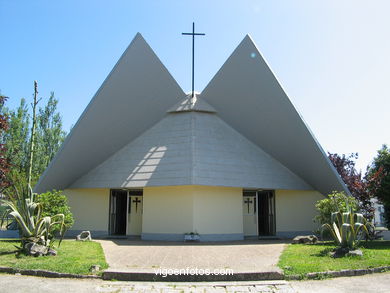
[(248, 202), (136, 201)]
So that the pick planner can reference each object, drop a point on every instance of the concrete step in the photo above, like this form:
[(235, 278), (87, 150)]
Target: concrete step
[(188, 276)]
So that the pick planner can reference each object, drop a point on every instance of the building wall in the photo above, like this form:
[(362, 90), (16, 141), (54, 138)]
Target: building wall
[(218, 210), (167, 210), (214, 212), (90, 209), (295, 210)]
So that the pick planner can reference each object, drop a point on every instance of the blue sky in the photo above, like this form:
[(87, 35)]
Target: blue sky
[(332, 57)]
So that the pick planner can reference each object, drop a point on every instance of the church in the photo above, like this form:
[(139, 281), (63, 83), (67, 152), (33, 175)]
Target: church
[(234, 161)]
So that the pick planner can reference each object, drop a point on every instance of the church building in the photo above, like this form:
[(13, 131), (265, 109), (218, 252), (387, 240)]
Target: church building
[(235, 161)]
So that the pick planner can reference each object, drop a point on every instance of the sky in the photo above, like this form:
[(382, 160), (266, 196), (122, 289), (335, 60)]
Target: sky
[(331, 57)]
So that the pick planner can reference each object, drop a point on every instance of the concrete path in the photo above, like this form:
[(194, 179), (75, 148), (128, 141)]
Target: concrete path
[(239, 256), (378, 283)]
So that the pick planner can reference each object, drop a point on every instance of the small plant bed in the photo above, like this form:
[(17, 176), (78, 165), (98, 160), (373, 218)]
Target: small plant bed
[(74, 257), (301, 259)]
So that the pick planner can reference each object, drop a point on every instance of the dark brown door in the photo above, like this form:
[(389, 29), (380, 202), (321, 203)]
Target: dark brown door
[(118, 212), (266, 213)]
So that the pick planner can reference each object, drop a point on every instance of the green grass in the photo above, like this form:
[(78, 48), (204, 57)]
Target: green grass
[(74, 257), (300, 259)]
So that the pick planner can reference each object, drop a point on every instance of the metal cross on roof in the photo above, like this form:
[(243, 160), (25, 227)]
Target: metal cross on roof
[(193, 34)]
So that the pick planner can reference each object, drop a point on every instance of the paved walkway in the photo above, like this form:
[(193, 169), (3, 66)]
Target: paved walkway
[(240, 256), (378, 283)]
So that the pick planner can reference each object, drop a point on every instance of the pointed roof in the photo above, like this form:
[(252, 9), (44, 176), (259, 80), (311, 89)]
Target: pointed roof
[(191, 148), (139, 131), (134, 96), (247, 95)]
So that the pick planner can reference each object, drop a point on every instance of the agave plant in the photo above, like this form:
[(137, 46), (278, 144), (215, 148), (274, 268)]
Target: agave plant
[(347, 228), (33, 227)]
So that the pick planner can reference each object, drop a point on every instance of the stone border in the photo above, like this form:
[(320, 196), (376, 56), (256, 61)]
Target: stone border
[(336, 274), (47, 274), (260, 276)]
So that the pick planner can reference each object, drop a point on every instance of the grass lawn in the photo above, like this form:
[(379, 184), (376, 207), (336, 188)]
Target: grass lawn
[(299, 259), (74, 257)]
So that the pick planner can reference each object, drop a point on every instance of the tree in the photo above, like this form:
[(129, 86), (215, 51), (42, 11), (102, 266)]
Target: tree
[(16, 143), (379, 171), (17, 137), (356, 183), (4, 162), (50, 135)]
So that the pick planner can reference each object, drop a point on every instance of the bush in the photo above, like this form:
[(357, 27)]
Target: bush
[(53, 203), (335, 202)]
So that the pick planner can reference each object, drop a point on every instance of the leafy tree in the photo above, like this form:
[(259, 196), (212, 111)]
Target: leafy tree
[(48, 139), (16, 141), (357, 184), (380, 171), (53, 203), (17, 137), (50, 135), (4, 161)]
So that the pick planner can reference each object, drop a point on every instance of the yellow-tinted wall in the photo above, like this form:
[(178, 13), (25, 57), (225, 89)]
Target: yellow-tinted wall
[(295, 210), (182, 209), (217, 210), (167, 209), (89, 207)]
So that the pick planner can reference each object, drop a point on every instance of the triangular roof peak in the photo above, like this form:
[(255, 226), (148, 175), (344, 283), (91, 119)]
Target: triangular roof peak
[(122, 100), (267, 117), (192, 103)]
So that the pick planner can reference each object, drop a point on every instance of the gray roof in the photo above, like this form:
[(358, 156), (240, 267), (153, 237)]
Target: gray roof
[(248, 96), (191, 147), (241, 131), (135, 95)]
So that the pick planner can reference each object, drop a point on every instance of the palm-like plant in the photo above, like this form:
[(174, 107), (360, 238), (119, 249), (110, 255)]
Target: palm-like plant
[(33, 227), (347, 228)]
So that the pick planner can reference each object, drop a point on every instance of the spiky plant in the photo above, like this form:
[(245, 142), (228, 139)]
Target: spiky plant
[(347, 228), (33, 227)]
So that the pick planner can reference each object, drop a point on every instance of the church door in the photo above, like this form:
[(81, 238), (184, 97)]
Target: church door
[(250, 213), (135, 212), (259, 213), (266, 214), (118, 212)]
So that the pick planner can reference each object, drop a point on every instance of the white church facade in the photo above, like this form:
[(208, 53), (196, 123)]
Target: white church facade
[(234, 161)]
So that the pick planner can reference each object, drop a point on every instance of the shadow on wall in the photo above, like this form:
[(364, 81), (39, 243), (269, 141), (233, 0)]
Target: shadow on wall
[(145, 169)]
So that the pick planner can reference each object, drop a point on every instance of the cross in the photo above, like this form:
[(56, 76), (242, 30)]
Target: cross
[(248, 201), (136, 201), (193, 34)]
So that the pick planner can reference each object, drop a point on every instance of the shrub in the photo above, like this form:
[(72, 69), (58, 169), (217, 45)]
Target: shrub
[(335, 202), (53, 203)]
